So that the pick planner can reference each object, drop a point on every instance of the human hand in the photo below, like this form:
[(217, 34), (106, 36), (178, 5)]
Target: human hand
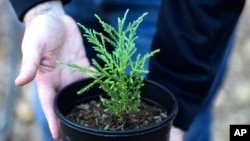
[(176, 134), (50, 35)]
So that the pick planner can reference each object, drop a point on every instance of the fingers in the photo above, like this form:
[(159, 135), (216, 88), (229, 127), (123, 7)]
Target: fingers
[(53, 125), (47, 96), (176, 134)]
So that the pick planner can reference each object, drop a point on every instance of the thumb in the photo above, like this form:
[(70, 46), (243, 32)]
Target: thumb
[(30, 61)]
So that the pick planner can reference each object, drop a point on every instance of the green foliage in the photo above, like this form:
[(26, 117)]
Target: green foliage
[(123, 90)]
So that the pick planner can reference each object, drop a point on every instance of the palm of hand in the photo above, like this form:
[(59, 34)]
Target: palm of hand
[(57, 38)]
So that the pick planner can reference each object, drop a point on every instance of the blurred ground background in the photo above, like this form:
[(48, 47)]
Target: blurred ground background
[(232, 106)]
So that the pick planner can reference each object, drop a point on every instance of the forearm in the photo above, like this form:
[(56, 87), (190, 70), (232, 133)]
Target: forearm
[(22, 7)]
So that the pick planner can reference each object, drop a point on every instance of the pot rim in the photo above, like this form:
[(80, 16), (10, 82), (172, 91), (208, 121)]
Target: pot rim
[(171, 115)]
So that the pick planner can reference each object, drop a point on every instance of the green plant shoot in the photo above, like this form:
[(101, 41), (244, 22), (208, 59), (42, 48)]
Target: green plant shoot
[(123, 89)]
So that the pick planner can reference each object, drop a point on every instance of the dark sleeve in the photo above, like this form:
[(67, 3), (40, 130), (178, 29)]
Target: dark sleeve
[(193, 37), (22, 6)]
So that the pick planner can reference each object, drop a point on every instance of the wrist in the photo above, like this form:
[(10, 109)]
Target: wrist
[(54, 8)]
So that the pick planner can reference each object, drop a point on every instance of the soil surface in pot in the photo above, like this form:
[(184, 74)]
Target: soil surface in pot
[(92, 115)]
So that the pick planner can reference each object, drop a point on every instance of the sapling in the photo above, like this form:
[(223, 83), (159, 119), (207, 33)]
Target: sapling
[(122, 88)]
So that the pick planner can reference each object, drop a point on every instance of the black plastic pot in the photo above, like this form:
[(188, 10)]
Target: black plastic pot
[(151, 92)]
